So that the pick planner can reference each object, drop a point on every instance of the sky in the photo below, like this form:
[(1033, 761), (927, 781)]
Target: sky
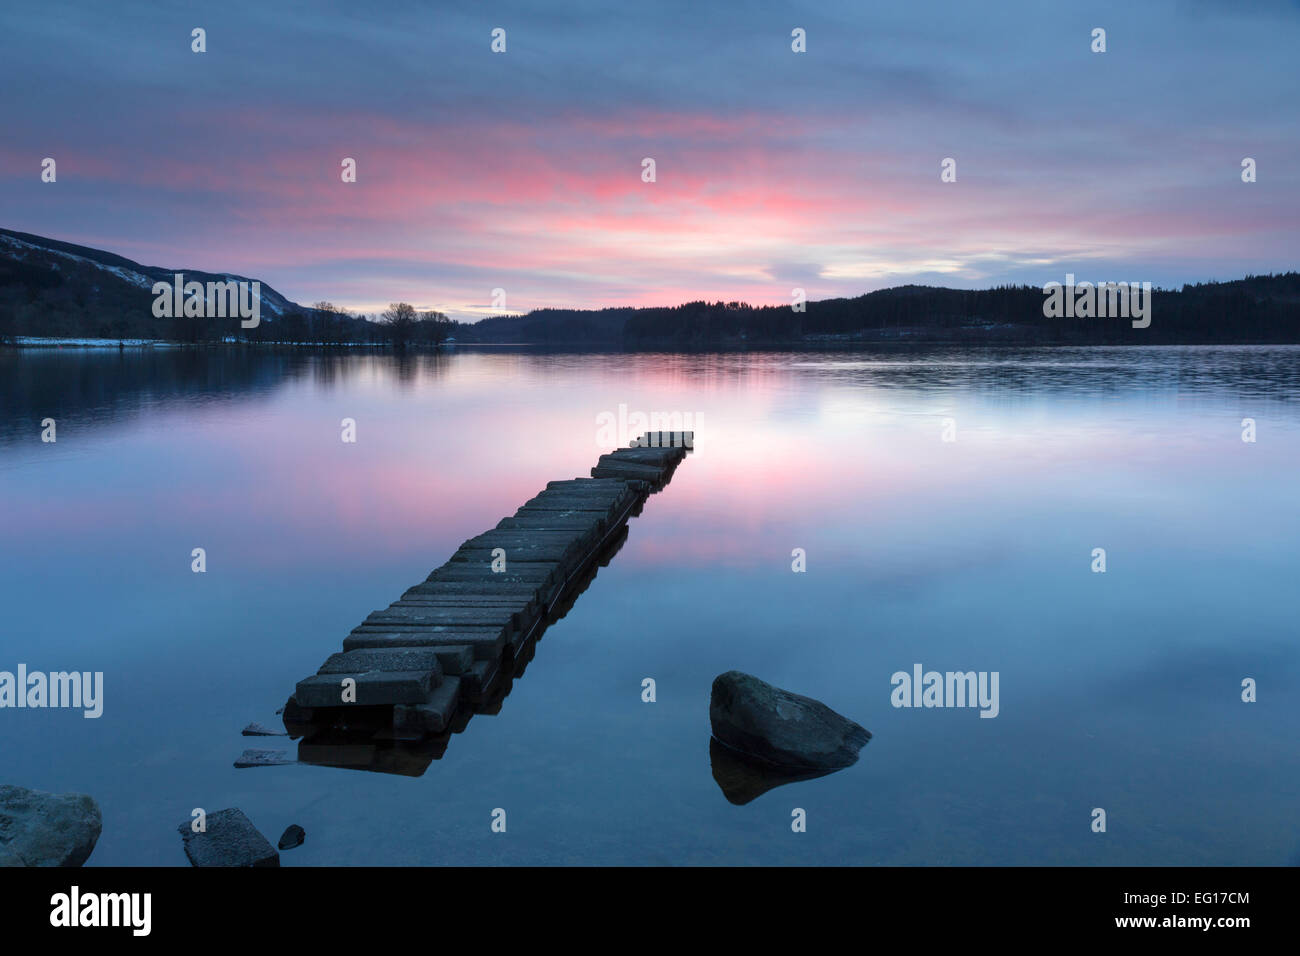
[(774, 170)]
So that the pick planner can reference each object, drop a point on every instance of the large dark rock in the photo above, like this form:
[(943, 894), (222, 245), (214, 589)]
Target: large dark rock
[(47, 829), (230, 839), (781, 729)]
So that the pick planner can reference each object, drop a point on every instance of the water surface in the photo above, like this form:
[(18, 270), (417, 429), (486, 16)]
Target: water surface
[(1118, 690)]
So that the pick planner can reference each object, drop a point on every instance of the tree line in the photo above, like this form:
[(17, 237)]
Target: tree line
[(1256, 309), (401, 325)]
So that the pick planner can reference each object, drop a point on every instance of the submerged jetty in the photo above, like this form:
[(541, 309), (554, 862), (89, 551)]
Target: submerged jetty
[(413, 673)]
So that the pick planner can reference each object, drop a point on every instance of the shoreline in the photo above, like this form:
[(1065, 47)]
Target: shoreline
[(31, 343)]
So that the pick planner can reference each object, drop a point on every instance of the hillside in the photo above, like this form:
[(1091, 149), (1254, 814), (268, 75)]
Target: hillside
[(1254, 310), (54, 288)]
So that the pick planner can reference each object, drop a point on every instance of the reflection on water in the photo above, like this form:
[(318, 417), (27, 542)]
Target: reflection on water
[(105, 386), (1118, 690), (742, 780)]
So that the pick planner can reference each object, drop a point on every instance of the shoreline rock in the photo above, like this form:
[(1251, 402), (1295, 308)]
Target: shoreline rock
[(47, 829)]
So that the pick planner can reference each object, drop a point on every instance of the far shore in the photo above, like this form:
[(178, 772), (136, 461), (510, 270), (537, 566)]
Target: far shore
[(830, 344)]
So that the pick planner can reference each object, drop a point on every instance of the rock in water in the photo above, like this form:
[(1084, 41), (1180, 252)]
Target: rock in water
[(229, 839), (47, 829), (292, 837), (782, 729)]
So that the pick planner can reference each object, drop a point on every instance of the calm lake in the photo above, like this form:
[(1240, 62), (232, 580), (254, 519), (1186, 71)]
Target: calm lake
[(1119, 690)]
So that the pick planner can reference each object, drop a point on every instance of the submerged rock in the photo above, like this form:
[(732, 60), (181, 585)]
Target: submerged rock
[(781, 729), (292, 837), (47, 829), (229, 839), (742, 779)]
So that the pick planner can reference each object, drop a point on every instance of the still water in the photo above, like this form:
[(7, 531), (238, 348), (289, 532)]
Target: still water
[(1118, 690)]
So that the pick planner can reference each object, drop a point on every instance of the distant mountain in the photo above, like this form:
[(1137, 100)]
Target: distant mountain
[(54, 288), (1254, 310)]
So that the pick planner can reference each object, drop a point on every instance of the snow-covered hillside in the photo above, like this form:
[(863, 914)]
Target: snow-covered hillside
[(19, 246)]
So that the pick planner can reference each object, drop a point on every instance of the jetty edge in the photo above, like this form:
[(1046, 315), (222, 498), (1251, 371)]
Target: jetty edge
[(407, 671)]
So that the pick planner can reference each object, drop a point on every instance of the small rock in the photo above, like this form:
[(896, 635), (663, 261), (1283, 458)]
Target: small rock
[(264, 758), (292, 837), (230, 839), (779, 728), (260, 730), (47, 829)]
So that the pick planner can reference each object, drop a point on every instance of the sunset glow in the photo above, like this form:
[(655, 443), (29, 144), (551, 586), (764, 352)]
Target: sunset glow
[(523, 171)]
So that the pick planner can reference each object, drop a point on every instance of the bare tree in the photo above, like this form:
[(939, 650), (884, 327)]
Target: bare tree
[(400, 319), (327, 322)]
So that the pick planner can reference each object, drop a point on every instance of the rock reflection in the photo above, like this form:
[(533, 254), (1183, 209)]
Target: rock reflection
[(742, 780)]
